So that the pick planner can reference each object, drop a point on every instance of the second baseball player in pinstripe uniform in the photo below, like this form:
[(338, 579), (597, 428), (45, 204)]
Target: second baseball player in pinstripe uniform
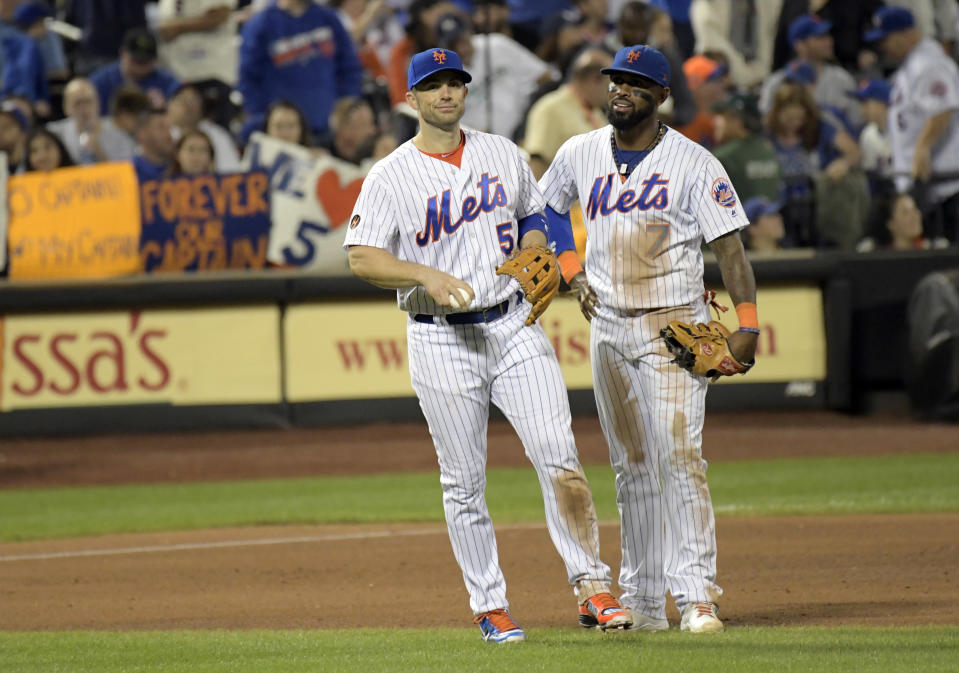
[(649, 197), (435, 219)]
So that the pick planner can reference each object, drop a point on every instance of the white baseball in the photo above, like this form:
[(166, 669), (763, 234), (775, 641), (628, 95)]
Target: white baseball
[(460, 303)]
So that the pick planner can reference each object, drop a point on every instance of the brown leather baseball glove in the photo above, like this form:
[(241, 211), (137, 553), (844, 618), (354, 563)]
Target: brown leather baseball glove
[(537, 270), (703, 349)]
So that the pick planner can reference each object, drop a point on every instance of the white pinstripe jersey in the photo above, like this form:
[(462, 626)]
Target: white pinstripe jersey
[(460, 220), (926, 84), (644, 234)]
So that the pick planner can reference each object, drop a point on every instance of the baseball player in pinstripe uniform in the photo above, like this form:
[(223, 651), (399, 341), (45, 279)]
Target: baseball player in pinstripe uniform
[(649, 197), (435, 219)]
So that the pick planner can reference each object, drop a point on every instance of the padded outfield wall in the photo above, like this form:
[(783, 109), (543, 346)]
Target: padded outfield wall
[(287, 349)]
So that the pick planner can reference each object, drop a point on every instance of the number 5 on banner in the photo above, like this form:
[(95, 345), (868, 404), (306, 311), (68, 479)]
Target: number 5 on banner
[(290, 256)]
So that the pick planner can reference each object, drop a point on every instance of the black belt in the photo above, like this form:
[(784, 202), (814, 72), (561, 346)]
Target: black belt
[(473, 317)]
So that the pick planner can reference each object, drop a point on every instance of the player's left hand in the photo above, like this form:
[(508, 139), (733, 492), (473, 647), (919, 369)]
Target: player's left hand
[(743, 345), (588, 301), (706, 349), (537, 271)]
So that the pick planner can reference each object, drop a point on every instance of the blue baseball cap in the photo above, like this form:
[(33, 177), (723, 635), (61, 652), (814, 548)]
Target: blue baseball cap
[(425, 63), (888, 20), (643, 61), (873, 89), (759, 206), (801, 72), (29, 13), (807, 25)]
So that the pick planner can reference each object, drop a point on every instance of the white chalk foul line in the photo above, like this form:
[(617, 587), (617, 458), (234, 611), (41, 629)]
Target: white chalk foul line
[(226, 544)]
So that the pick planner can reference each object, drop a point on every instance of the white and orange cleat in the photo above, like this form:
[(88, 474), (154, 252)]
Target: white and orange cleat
[(701, 618)]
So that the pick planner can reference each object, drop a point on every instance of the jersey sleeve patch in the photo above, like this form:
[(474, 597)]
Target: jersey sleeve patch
[(723, 193), (354, 223)]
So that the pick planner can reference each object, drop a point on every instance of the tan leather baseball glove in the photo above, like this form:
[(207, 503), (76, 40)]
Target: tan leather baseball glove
[(702, 348), (537, 270)]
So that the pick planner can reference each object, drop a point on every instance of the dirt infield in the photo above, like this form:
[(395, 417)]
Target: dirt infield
[(891, 570)]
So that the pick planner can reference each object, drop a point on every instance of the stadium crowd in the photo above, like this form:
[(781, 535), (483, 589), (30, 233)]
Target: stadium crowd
[(837, 120)]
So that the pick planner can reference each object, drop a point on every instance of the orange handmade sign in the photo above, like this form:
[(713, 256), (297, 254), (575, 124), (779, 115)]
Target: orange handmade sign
[(81, 222)]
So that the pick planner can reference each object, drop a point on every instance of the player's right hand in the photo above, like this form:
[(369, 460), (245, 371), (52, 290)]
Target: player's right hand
[(588, 301), (441, 285)]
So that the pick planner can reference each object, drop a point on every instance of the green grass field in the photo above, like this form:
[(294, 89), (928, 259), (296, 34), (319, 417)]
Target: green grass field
[(916, 483), (747, 650)]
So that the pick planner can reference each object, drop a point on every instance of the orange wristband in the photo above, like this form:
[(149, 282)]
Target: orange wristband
[(747, 315), (569, 264)]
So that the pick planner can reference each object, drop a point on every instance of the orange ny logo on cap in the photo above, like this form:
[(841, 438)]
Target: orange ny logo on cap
[(439, 56), (633, 56)]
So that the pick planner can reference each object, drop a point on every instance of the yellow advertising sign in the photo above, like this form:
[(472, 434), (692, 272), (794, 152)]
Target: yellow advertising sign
[(358, 350), (81, 222), (792, 341), (183, 357), (345, 351)]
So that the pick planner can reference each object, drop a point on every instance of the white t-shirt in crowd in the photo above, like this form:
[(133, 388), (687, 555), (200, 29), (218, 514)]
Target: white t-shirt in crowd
[(199, 56), (513, 72)]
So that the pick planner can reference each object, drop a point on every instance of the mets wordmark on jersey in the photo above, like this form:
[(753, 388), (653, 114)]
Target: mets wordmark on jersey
[(644, 231)]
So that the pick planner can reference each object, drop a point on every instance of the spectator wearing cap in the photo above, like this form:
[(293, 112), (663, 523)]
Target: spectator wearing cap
[(105, 24), (641, 23), (576, 107), (874, 96), (743, 31), (709, 82), (766, 228), (936, 19), (31, 18), (923, 128), (504, 74), (13, 132), (812, 43), (744, 152), (88, 137), (299, 51), (137, 66), (848, 20)]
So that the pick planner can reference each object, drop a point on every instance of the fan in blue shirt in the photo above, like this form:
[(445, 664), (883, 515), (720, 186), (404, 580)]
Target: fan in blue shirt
[(298, 51), (138, 67)]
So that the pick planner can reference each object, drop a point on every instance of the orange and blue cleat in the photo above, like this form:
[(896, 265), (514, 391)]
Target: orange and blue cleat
[(498, 627)]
